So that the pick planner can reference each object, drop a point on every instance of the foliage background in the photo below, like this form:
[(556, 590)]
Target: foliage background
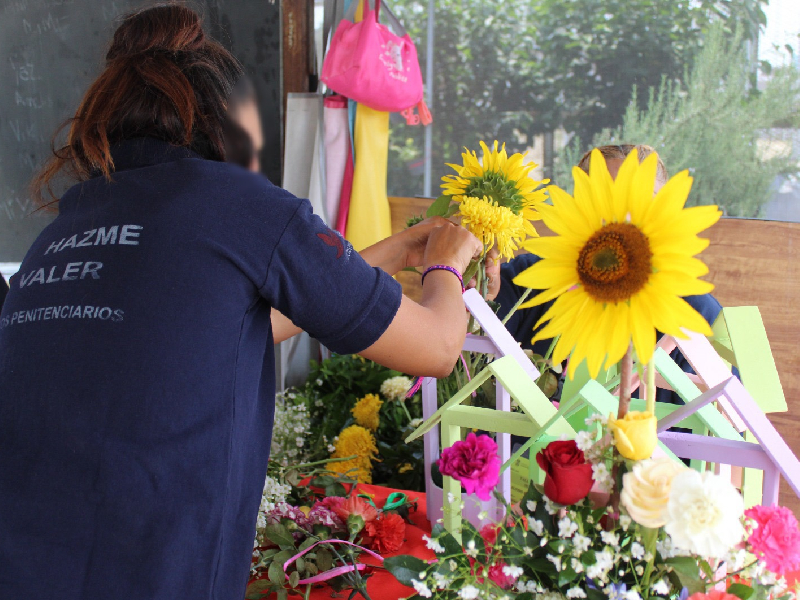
[(517, 69)]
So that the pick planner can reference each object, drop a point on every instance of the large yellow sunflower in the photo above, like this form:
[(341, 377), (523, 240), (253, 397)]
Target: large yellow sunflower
[(501, 182), (619, 263)]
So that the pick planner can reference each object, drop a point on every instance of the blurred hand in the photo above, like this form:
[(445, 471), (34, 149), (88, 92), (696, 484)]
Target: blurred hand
[(492, 275)]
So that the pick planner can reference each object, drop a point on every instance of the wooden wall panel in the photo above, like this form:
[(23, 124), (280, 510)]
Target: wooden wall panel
[(751, 263)]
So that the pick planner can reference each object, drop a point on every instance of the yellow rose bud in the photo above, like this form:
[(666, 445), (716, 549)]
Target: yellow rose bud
[(646, 488), (635, 434)]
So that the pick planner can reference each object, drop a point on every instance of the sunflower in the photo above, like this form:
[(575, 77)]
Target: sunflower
[(619, 263), (501, 182)]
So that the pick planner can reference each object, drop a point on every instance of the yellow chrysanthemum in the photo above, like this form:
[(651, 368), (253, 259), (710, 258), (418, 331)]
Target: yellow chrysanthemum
[(503, 179), (366, 411), (494, 225), (619, 264), (359, 442)]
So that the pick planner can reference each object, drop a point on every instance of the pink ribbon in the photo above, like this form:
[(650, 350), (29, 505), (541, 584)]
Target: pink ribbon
[(331, 573)]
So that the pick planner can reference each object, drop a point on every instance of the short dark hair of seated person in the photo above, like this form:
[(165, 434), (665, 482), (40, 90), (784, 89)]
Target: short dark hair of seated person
[(3, 290)]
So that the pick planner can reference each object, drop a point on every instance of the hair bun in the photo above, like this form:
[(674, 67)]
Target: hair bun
[(169, 28)]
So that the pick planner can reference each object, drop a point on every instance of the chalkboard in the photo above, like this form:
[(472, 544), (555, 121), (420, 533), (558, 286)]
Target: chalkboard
[(51, 50)]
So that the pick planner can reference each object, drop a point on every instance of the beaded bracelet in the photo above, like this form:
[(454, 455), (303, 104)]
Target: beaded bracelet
[(452, 270)]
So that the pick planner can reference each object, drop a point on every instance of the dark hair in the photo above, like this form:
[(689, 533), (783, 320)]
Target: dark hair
[(164, 78)]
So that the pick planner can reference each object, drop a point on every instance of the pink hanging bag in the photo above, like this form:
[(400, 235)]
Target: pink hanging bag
[(371, 65)]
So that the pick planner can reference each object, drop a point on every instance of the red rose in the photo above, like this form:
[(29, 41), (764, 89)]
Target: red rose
[(569, 476)]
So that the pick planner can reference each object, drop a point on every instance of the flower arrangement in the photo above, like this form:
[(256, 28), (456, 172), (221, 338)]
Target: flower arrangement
[(307, 508), (356, 411), (610, 521), (677, 533)]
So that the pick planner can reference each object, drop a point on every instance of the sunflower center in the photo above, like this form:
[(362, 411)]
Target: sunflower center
[(614, 263)]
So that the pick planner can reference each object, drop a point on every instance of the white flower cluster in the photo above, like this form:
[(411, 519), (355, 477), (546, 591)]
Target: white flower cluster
[(292, 425), (395, 388), (273, 494)]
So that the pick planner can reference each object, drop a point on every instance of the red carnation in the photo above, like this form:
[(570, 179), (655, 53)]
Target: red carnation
[(387, 533), (569, 476), (356, 506)]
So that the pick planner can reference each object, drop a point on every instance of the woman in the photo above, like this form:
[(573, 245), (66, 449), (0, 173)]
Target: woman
[(136, 373)]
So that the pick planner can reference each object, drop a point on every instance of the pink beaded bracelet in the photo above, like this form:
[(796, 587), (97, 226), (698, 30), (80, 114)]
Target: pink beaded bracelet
[(452, 270)]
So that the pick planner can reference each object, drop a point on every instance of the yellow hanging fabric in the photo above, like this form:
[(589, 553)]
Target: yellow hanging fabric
[(369, 220)]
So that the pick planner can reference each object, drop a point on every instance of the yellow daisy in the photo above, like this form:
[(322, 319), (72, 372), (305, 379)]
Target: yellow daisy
[(366, 411), (619, 264)]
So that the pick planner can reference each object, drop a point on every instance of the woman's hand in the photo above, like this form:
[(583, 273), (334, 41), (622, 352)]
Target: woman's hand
[(450, 244), (492, 276)]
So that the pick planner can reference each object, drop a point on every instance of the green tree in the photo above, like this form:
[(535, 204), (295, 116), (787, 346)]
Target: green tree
[(516, 68), (714, 127)]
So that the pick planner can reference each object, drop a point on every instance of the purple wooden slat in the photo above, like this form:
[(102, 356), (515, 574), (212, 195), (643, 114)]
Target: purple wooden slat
[(497, 332), (689, 409)]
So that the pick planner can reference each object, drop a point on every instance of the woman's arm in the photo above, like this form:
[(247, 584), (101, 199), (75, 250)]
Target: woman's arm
[(403, 249), (426, 338)]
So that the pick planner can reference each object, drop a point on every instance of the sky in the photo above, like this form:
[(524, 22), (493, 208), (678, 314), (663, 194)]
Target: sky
[(783, 27)]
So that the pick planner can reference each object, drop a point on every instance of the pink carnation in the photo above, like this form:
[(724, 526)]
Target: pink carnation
[(776, 539), (323, 515), (474, 462), (712, 595)]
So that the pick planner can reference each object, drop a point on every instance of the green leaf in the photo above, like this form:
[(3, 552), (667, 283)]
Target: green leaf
[(258, 589), (741, 590), (684, 565), (324, 559), (439, 207), (405, 568), (337, 489), (278, 534), (294, 579), (322, 481), (282, 594), (276, 573), (709, 572), (446, 540)]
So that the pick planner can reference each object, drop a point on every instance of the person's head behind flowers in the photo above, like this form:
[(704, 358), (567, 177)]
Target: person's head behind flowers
[(615, 154)]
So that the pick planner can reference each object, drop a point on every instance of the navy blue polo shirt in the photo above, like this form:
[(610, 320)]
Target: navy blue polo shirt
[(137, 374)]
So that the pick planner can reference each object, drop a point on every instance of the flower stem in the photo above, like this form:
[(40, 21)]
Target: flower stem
[(650, 537), (514, 308), (626, 368), (651, 387), (405, 408)]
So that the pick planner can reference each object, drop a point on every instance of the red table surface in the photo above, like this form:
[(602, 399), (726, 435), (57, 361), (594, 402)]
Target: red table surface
[(382, 585)]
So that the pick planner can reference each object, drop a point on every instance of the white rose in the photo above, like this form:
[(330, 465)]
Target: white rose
[(646, 490), (704, 514)]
